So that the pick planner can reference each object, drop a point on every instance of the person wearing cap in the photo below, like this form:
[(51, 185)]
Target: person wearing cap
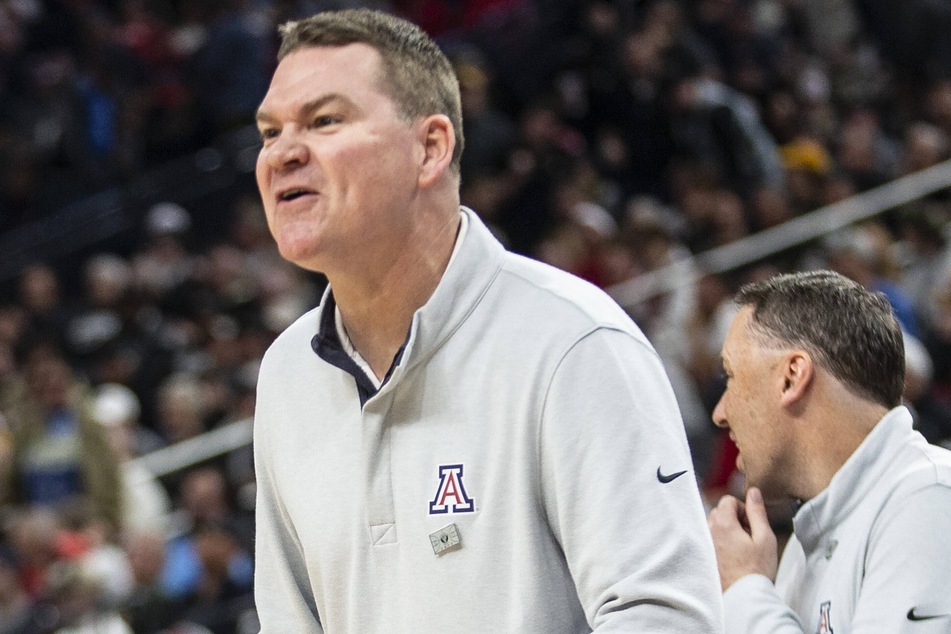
[(145, 502)]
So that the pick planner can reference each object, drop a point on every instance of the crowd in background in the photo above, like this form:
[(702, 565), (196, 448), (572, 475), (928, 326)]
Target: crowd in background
[(606, 138)]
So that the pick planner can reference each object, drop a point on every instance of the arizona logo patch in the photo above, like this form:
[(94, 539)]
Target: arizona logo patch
[(825, 621), (451, 496)]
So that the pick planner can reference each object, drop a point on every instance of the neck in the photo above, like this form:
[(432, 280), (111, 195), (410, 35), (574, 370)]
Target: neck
[(840, 426), (377, 304)]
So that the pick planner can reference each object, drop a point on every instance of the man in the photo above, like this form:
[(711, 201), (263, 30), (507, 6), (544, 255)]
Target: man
[(815, 367), (456, 439)]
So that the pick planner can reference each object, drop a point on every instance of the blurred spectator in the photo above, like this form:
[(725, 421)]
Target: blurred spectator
[(228, 71), (145, 503), (224, 594), (925, 145), (705, 333), (938, 104), (163, 262), (584, 230), (769, 207), (912, 34), (206, 498), (75, 599), (32, 535), (60, 454), (629, 127), (208, 567), (808, 165), (924, 255), (181, 408), (15, 603), (489, 133), (932, 418), (864, 254), (165, 119), (85, 540), (546, 155), (149, 609), (938, 337), (719, 128), (44, 305), (101, 317), (865, 152)]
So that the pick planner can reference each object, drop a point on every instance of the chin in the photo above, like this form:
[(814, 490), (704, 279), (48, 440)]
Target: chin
[(298, 252)]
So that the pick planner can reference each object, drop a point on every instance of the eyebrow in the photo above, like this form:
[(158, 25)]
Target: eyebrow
[(262, 116)]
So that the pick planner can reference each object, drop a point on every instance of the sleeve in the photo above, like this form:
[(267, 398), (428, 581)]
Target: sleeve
[(283, 595), (633, 531), (905, 588), (752, 606)]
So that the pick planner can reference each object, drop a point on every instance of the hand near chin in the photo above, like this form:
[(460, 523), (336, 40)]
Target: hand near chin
[(745, 544)]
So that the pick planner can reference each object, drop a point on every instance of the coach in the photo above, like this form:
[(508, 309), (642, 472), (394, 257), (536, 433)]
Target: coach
[(457, 439), (815, 367)]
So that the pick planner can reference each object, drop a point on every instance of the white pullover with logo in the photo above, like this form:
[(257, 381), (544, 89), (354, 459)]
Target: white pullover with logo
[(870, 555), (524, 468)]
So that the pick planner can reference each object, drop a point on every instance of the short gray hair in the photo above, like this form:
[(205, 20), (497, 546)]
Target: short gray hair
[(850, 331)]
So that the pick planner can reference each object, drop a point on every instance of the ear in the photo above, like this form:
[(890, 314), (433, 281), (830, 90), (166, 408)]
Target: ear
[(438, 140), (798, 372)]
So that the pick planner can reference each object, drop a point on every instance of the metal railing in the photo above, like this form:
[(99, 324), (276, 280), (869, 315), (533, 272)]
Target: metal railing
[(810, 226), (186, 453)]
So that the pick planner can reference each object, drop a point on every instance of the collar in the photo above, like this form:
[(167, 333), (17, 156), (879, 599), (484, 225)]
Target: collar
[(853, 482), (475, 261), (328, 346), (475, 266)]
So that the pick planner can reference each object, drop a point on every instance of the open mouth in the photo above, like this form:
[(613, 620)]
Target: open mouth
[(293, 194)]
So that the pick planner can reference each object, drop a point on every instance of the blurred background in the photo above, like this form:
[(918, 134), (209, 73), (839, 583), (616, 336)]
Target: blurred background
[(666, 150)]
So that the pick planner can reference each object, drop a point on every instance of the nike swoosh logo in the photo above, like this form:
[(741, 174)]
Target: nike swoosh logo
[(665, 478), (923, 617)]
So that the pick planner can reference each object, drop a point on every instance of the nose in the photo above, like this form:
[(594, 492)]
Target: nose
[(719, 413), (286, 151)]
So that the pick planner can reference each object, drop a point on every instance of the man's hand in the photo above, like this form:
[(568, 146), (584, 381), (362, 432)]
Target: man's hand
[(744, 542)]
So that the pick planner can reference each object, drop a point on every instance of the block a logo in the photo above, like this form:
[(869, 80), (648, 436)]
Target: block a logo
[(451, 496)]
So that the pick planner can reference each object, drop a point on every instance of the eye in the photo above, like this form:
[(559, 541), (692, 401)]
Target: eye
[(325, 120), (268, 133)]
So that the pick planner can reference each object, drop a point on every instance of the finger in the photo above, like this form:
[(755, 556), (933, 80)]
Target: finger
[(756, 514), (729, 504), (727, 511)]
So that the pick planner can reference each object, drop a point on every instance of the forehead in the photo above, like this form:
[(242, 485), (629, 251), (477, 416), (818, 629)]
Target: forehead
[(316, 69), (738, 337)]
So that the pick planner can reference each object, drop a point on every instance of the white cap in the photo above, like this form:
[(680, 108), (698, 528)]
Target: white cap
[(167, 217), (114, 404)]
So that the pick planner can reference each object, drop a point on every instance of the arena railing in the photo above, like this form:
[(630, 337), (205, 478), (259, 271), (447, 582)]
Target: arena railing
[(756, 247), (208, 445)]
